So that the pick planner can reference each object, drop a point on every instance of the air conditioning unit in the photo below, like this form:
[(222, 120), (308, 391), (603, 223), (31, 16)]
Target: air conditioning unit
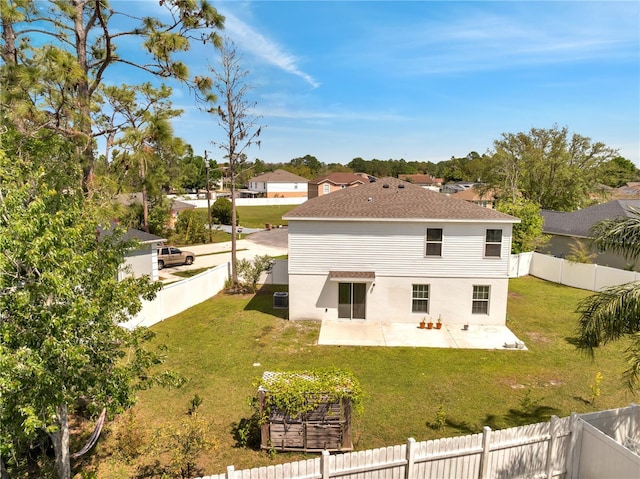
[(280, 300)]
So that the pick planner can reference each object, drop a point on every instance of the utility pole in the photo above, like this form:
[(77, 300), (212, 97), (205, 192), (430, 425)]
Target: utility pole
[(206, 165)]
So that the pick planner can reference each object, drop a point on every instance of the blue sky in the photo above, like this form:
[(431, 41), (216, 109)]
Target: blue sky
[(423, 80)]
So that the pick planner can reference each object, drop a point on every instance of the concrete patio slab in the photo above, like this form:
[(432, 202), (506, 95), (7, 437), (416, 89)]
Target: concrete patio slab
[(363, 333)]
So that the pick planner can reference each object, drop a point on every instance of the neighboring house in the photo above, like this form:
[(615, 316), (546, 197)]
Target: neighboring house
[(451, 188), (629, 191), (567, 228), (176, 207), (279, 184), (333, 182), (390, 251), (142, 260), (426, 181), (485, 199)]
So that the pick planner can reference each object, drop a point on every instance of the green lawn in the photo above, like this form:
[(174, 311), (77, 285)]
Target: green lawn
[(222, 345), (258, 216)]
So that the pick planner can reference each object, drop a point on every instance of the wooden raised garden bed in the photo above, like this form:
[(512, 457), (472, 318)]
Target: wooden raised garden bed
[(323, 424)]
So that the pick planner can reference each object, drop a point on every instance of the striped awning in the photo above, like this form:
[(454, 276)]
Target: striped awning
[(353, 276)]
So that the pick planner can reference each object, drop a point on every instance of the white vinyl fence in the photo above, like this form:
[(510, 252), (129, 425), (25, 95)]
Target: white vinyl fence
[(520, 264), (180, 296), (591, 277), (559, 448), (202, 203)]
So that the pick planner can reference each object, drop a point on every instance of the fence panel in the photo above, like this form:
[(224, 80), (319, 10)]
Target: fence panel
[(510, 458), (601, 456), (180, 296), (591, 277), (606, 277)]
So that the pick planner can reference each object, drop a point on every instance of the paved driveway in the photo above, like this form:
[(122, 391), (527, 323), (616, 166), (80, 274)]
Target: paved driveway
[(214, 254)]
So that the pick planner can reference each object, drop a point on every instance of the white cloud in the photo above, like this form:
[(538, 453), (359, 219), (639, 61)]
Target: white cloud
[(262, 47)]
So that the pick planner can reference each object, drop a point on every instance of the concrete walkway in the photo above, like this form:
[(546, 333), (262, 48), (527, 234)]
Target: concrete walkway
[(363, 333)]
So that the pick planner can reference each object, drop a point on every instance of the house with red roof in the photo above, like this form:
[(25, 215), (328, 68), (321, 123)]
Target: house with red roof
[(486, 199), (335, 181), (392, 251)]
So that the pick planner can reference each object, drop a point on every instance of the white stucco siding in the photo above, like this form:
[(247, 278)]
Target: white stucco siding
[(395, 249), (287, 187), (389, 299)]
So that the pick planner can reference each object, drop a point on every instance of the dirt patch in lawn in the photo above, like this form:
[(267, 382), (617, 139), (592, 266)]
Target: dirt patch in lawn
[(539, 338)]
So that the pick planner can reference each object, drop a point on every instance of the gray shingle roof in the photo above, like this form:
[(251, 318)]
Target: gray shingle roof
[(578, 223), (390, 198), (279, 176), (130, 234)]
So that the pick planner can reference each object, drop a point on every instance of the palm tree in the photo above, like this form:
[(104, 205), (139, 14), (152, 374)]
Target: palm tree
[(614, 312)]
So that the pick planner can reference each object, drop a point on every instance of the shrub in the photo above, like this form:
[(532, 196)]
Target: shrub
[(249, 271), (221, 211), (191, 227)]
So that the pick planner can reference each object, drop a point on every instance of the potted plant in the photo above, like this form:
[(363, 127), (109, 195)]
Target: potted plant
[(439, 323), (422, 324), (430, 325)]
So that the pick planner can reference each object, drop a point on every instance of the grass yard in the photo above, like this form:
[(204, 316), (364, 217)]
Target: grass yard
[(258, 216), (222, 345)]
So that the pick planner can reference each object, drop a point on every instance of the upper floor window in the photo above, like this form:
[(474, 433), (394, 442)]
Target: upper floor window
[(434, 242), (493, 243), (326, 188), (420, 298)]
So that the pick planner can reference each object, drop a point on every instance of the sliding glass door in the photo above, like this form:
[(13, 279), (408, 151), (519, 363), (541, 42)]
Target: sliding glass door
[(352, 299)]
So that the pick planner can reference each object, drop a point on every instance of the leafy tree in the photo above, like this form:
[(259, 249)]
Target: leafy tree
[(57, 55), (239, 124), (310, 163), (60, 306), (547, 166), (617, 171), (249, 272), (358, 165), (146, 148), (527, 235), (222, 211), (614, 313)]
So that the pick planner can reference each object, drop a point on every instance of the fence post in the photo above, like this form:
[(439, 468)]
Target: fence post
[(231, 472), (551, 449), (409, 472), (324, 465), (484, 457), (573, 453)]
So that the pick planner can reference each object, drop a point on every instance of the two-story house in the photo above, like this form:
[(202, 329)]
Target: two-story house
[(335, 181), (279, 184), (390, 251)]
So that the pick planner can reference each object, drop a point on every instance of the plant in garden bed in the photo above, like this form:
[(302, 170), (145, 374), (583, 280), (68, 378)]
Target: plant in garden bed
[(300, 392)]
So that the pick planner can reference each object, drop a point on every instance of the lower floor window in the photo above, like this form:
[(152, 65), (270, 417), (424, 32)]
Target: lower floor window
[(420, 298), (480, 303)]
